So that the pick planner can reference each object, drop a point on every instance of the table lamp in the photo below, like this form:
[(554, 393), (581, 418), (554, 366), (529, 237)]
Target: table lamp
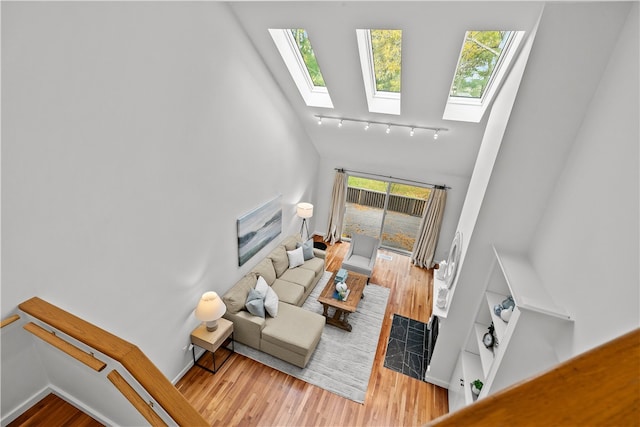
[(210, 308)]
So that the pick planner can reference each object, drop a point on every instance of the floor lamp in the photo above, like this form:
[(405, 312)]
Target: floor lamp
[(304, 211)]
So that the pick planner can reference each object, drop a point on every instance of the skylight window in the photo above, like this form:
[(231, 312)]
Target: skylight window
[(480, 54), (381, 63), (295, 48), (306, 52), (483, 63)]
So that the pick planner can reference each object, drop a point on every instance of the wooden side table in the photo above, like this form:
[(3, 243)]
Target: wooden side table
[(212, 341)]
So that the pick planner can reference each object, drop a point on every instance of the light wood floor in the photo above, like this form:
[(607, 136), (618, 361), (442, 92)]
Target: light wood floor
[(54, 411), (248, 393)]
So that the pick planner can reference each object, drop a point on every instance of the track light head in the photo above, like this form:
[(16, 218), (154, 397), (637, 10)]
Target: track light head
[(388, 128), (319, 121), (340, 123), (412, 132), (366, 127), (435, 135)]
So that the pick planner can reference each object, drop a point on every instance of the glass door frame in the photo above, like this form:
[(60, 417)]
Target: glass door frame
[(388, 182)]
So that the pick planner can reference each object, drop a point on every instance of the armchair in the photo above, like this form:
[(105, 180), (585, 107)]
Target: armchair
[(362, 254)]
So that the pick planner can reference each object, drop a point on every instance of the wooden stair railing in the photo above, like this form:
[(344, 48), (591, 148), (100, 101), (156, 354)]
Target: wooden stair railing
[(134, 398), (127, 354), (598, 387), (9, 320), (73, 351)]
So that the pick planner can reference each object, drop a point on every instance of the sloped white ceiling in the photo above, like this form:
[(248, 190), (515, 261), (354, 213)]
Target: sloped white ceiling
[(432, 37)]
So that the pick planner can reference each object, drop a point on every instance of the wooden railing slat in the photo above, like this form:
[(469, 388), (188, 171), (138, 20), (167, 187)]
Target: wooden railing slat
[(70, 349), (130, 356), (9, 320), (135, 399)]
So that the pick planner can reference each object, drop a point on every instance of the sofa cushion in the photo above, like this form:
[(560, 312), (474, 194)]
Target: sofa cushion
[(288, 292), (290, 243), (236, 297), (314, 264), (269, 296), (307, 249), (295, 329), (255, 303), (296, 258), (266, 270), (300, 276), (280, 261)]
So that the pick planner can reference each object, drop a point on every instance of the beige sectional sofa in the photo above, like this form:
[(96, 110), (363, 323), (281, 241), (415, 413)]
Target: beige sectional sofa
[(295, 332)]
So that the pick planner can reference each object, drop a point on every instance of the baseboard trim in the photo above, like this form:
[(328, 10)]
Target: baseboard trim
[(44, 392), (436, 381), (80, 405), (183, 372), (38, 396)]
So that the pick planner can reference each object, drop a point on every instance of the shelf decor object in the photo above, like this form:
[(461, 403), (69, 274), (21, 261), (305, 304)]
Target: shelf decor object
[(476, 387), (453, 260)]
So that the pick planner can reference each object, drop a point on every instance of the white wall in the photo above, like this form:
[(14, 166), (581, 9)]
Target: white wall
[(134, 135), (586, 246)]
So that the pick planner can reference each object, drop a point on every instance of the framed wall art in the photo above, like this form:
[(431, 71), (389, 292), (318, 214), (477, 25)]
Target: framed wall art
[(257, 228)]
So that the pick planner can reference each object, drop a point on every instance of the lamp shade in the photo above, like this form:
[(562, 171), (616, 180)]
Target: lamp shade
[(304, 210), (210, 308)]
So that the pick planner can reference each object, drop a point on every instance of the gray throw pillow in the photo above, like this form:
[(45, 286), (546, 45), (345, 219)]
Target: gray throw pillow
[(307, 249), (255, 303)]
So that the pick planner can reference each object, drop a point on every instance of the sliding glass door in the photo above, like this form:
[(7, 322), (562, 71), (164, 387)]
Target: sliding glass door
[(365, 206), (387, 210)]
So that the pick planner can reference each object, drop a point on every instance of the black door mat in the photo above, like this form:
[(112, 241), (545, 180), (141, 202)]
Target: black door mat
[(407, 347)]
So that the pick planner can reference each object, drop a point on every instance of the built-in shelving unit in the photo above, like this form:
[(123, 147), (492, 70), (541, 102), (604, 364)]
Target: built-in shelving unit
[(524, 346)]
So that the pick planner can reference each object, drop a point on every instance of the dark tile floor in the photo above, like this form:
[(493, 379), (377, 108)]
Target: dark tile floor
[(407, 347)]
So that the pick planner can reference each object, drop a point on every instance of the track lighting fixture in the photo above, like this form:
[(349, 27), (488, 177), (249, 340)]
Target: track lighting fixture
[(368, 123)]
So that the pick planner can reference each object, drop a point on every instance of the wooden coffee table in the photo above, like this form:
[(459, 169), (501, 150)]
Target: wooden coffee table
[(342, 309)]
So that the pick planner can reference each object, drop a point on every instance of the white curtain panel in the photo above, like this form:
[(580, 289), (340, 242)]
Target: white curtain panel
[(334, 228), (425, 246)]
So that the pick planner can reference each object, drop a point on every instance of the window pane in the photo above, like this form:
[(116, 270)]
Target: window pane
[(364, 207), (480, 55), (309, 58), (404, 213), (386, 47)]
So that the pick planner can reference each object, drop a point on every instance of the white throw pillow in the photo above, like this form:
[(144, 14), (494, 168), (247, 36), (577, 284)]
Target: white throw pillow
[(269, 295), (296, 257)]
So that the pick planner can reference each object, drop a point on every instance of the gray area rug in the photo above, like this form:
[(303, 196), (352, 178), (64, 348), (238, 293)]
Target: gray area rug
[(343, 361)]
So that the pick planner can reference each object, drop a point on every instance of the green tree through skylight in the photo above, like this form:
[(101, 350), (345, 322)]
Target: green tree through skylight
[(478, 60), (386, 46), (309, 58)]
